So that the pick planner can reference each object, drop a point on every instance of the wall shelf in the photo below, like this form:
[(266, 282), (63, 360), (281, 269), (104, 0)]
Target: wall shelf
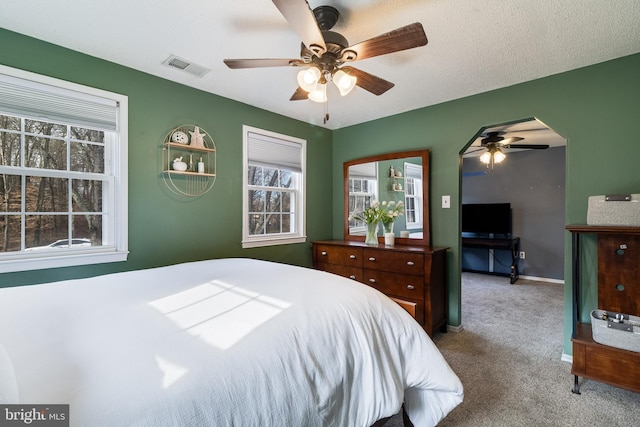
[(192, 150)]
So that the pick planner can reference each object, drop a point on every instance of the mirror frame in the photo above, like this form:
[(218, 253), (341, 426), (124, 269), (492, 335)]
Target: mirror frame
[(426, 219)]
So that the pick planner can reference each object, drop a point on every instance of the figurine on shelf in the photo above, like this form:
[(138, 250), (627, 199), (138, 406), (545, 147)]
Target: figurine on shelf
[(392, 172), (197, 138), (179, 137), (179, 165)]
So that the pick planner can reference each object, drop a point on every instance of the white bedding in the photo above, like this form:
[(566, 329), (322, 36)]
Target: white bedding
[(230, 342)]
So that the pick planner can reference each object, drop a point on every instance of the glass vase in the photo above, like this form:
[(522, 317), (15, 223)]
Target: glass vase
[(389, 237), (372, 234)]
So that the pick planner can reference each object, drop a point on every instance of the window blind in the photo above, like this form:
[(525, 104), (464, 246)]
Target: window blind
[(41, 101), (273, 152), (413, 170), (363, 171)]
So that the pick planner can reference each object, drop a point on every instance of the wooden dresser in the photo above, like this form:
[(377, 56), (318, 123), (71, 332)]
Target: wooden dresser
[(414, 276), (618, 252)]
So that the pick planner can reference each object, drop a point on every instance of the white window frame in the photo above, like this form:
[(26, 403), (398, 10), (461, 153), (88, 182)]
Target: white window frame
[(365, 172), (372, 183), (115, 208), (412, 172), (299, 236)]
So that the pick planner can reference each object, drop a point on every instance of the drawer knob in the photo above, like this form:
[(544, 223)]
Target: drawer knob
[(372, 280), (410, 263), (411, 287), (352, 277), (323, 253), (352, 256), (372, 259)]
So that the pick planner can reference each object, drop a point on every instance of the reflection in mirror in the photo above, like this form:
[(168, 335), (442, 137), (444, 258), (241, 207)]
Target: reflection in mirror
[(395, 177)]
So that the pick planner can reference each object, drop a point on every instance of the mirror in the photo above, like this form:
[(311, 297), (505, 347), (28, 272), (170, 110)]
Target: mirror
[(401, 176)]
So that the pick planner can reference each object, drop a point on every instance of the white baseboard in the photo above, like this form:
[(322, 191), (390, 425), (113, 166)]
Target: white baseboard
[(567, 358), (451, 328), (541, 279)]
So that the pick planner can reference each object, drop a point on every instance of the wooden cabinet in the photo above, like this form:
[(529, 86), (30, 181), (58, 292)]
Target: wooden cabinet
[(618, 251), (414, 276)]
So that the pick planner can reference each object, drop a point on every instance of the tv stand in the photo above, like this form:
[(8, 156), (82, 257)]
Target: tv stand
[(497, 243)]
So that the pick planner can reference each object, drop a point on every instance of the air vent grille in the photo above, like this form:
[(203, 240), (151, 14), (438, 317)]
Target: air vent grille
[(187, 66), (178, 63)]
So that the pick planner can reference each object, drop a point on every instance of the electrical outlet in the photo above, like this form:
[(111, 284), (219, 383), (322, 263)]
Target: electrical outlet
[(522, 254), (446, 202)]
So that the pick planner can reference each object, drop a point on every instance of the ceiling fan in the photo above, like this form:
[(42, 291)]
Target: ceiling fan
[(324, 53), (494, 142)]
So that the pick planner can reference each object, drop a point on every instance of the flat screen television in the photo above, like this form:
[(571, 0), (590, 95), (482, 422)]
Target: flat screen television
[(486, 218)]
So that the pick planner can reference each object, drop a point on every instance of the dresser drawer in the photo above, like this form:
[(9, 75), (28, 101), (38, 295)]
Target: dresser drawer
[(616, 367), (409, 306), (618, 272), (397, 262), (342, 255), (354, 273), (396, 284)]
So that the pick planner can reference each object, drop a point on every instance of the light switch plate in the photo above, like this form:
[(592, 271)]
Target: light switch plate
[(446, 202)]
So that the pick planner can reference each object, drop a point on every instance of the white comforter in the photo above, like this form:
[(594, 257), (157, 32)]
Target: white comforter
[(230, 342)]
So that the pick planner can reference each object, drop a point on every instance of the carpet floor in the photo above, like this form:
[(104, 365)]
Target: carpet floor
[(508, 359)]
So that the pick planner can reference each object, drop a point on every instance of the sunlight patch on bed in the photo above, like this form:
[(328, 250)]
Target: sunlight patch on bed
[(219, 313)]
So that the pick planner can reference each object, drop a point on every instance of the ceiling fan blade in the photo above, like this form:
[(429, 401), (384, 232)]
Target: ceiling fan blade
[(508, 141), (261, 63), (474, 151), (369, 82), (403, 38), (302, 20), (530, 146), (299, 95)]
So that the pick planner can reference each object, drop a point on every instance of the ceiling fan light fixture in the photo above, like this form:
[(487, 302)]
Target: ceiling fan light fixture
[(344, 82), (308, 78), (319, 93), (486, 157), (493, 155)]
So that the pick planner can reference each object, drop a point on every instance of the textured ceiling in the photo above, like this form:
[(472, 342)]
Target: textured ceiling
[(474, 45)]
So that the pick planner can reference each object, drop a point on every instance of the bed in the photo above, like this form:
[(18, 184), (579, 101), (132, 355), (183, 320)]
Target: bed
[(228, 342)]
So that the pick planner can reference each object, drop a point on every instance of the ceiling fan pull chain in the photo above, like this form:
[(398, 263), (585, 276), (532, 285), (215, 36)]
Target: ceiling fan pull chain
[(326, 112)]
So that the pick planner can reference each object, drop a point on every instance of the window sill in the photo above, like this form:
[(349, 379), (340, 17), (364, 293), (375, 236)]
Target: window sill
[(54, 260), (256, 243)]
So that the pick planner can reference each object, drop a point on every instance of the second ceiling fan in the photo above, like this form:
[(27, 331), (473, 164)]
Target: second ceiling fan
[(495, 142), (324, 53)]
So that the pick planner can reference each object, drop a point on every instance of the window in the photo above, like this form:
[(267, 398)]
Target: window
[(413, 195), (273, 188), (363, 186), (63, 173)]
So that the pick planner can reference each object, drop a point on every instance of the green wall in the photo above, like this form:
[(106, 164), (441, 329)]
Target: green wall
[(597, 109), (164, 228)]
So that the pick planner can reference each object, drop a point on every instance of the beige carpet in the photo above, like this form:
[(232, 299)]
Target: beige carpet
[(508, 359)]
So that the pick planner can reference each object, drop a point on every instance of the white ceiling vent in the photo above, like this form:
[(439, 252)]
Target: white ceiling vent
[(189, 67)]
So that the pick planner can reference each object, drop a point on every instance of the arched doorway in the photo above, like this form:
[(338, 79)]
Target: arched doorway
[(530, 177)]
